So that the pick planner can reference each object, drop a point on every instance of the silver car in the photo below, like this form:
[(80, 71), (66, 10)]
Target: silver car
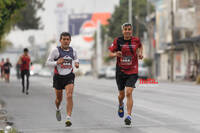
[(110, 72), (143, 71)]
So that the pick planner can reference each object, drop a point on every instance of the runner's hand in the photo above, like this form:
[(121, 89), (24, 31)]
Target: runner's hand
[(119, 54), (76, 64), (60, 61), (140, 56)]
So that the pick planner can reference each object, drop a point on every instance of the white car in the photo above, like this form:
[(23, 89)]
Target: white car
[(102, 72), (143, 71), (45, 72), (110, 72), (35, 69)]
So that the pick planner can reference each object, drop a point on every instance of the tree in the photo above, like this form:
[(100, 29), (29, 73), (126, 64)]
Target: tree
[(28, 15), (8, 10), (20, 13), (120, 16)]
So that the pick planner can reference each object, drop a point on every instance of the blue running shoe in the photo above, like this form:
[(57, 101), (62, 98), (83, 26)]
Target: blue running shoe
[(127, 120), (121, 111)]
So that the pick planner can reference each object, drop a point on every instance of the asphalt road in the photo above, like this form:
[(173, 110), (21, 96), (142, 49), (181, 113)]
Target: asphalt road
[(162, 108)]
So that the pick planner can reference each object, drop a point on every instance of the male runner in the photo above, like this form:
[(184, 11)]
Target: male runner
[(128, 49), (7, 65), (24, 62), (63, 58)]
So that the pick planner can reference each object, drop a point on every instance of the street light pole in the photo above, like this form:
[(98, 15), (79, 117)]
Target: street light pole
[(130, 11)]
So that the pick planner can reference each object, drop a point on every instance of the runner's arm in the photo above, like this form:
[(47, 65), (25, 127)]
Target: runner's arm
[(140, 52), (52, 56), (76, 60), (19, 60), (115, 54)]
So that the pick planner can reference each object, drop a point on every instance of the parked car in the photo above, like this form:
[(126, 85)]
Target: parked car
[(102, 72), (45, 72), (110, 72), (143, 70), (35, 69)]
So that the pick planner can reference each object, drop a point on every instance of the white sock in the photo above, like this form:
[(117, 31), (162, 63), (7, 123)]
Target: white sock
[(68, 117), (58, 109)]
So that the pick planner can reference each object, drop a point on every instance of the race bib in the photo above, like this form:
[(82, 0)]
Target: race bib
[(67, 64), (126, 60)]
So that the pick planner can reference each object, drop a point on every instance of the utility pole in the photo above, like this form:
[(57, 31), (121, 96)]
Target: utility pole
[(148, 21), (172, 43), (130, 11), (149, 34), (137, 19)]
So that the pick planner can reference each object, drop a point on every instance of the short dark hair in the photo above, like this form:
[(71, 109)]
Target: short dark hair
[(65, 34), (25, 49), (126, 24)]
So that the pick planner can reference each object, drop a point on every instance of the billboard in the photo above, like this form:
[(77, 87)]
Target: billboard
[(76, 21), (82, 28)]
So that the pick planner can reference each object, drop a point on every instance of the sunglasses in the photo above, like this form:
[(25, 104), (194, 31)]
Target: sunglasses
[(126, 24)]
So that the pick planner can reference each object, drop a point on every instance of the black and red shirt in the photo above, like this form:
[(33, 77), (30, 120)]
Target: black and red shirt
[(7, 66), (26, 60), (128, 63)]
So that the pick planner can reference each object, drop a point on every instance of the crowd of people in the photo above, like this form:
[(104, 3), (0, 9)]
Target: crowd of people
[(22, 69)]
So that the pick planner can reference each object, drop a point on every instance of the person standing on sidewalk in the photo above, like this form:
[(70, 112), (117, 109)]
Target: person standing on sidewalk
[(63, 58), (128, 49), (25, 62)]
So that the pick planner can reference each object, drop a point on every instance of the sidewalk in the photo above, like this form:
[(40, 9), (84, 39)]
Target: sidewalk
[(5, 126), (2, 116)]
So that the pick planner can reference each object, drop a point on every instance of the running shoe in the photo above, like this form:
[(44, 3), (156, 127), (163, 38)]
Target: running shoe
[(58, 115), (121, 111), (68, 122), (128, 120)]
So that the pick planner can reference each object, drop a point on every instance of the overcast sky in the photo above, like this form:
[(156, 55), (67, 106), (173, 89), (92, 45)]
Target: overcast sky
[(49, 19)]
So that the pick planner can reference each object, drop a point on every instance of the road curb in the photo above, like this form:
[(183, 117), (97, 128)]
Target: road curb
[(4, 124)]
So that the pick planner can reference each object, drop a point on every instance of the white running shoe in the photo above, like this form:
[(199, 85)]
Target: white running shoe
[(68, 122)]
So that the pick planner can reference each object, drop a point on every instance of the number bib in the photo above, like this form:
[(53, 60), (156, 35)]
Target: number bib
[(126, 60), (67, 64)]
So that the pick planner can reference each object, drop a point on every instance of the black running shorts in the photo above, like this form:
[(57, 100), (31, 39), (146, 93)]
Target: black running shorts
[(25, 72), (7, 71), (59, 81), (124, 80)]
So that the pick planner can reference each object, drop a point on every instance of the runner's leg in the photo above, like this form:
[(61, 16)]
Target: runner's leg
[(58, 98), (22, 77), (27, 81), (129, 97), (69, 97)]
